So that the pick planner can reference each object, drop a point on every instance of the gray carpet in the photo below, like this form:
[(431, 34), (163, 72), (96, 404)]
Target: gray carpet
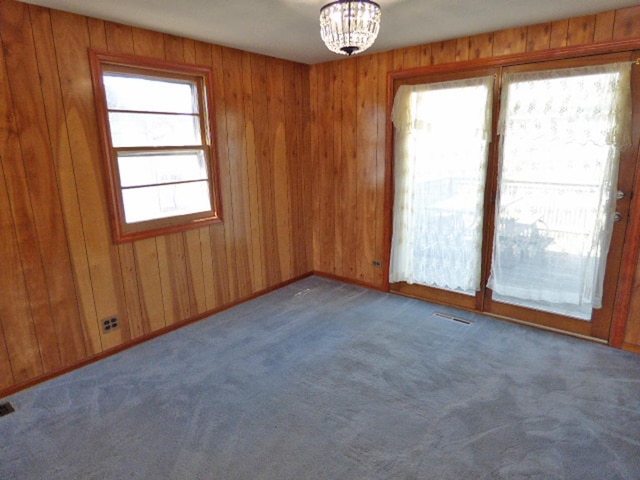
[(322, 380)]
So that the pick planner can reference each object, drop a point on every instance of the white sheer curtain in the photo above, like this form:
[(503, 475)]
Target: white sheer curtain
[(562, 132), (442, 136)]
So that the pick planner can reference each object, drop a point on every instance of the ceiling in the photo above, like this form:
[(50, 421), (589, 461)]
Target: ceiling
[(289, 29)]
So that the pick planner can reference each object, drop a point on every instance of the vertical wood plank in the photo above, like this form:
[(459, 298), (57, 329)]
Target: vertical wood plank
[(604, 26), (385, 62), (9, 300), (149, 44), (36, 202), (183, 260), (20, 334), (195, 265), (176, 306), (481, 46), (462, 49), (189, 48), (444, 52), (294, 126), (119, 39), (71, 36), (538, 37), (326, 167), (398, 58), (6, 375), (581, 30), (173, 47), (212, 239), (131, 291), (412, 57), (349, 201), (236, 145), (425, 55), (152, 298), (632, 334), (251, 193), (231, 273), (510, 41), (275, 96), (17, 34), (306, 98), (264, 170), (60, 149), (21, 341), (627, 23), (367, 88), (316, 128), (211, 293), (558, 36), (339, 178), (99, 32)]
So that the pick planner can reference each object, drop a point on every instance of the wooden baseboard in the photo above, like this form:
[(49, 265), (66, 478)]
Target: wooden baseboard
[(145, 338), (630, 347), (352, 281)]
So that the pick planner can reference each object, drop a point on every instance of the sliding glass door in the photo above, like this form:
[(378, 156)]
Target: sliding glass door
[(540, 249), (440, 183)]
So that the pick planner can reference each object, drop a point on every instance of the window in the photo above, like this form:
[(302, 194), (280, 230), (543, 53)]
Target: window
[(562, 133), (157, 141), (440, 182)]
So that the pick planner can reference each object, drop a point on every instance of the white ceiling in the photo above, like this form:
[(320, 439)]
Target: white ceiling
[(289, 29)]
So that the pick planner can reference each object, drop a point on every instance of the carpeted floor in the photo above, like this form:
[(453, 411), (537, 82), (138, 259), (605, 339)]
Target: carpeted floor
[(322, 380)]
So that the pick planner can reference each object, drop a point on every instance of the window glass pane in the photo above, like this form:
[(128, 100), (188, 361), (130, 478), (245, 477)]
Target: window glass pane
[(150, 203), (438, 209), (140, 169), (154, 130), (558, 175), (149, 95)]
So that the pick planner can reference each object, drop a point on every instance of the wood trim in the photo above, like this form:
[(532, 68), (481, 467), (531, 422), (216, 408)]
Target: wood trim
[(202, 77), (149, 336), (562, 53), (185, 224), (351, 281), (630, 347), (436, 295), (625, 275), (410, 294), (389, 190), (631, 248), (546, 328)]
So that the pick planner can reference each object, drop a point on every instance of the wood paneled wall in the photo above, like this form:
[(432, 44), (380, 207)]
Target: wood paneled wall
[(348, 109), (284, 216), (60, 271)]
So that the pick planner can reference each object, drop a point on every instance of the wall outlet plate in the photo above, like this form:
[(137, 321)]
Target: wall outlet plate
[(109, 324)]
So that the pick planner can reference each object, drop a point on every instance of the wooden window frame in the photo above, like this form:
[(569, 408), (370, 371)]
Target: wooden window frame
[(201, 77)]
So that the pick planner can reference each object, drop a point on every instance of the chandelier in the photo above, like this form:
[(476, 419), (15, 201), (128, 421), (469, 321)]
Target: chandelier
[(349, 26)]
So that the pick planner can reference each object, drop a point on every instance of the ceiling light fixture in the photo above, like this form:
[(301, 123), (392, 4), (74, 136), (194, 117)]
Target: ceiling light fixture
[(349, 26)]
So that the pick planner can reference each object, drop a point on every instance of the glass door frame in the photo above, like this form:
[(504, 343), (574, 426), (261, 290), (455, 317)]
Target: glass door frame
[(447, 296), (618, 287)]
